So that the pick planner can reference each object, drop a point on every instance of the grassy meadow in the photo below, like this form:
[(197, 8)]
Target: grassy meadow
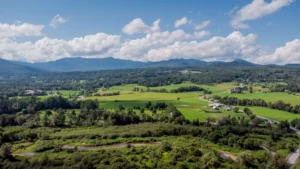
[(189, 103), (276, 115), (268, 97)]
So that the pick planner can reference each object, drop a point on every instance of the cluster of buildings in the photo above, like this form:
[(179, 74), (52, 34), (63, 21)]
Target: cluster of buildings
[(218, 106), (33, 92), (233, 91)]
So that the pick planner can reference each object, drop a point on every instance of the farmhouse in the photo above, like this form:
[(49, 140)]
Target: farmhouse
[(233, 91), (228, 108), (32, 92), (29, 92), (215, 105)]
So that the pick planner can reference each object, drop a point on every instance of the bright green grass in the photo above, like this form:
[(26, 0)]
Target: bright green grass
[(189, 103), (276, 115), (194, 113), (65, 93), (268, 97), (128, 88)]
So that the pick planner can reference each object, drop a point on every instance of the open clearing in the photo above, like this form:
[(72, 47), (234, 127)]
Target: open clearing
[(274, 114), (189, 103), (268, 97)]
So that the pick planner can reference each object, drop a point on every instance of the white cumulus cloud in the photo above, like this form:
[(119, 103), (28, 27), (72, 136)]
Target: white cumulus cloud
[(201, 34), (22, 29), (202, 25), (135, 49), (138, 26), (290, 53), (181, 22), (47, 49), (255, 10), (57, 19), (234, 46)]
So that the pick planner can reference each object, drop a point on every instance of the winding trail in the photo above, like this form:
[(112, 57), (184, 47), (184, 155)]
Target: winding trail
[(268, 150), (226, 155)]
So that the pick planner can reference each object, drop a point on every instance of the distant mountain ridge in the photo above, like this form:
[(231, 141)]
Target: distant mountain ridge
[(293, 65), (94, 64), (91, 64), (84, 64), (10, 67)]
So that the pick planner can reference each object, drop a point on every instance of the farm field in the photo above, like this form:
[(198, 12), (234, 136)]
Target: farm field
[(64, 93), (268, 97), (189, 103), (191, 106), (276, 115)]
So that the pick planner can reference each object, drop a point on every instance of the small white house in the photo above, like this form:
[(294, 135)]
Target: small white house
[(29, 92), (216, 105), (228, 108)]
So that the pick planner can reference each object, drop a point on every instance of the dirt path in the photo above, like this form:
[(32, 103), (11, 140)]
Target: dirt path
[(226, 155), (202, 97), (268, 150)]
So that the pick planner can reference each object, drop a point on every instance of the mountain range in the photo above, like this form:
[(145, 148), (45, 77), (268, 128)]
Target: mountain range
[(9, 67), (93, 64)]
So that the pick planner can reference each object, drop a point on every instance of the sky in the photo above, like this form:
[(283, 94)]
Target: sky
[(259, 31)]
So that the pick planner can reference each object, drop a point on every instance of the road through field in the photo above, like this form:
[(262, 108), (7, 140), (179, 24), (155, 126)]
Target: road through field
[(295, 155)]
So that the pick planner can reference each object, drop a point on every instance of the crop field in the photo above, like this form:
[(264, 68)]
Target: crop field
[(64, 93), (189, 103), (276, 115), (268, 97)]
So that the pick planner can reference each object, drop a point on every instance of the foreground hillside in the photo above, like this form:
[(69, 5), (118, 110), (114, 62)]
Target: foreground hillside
[(151, 118)]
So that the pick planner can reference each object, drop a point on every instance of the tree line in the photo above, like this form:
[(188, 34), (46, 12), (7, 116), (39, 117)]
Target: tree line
[(279, 105)]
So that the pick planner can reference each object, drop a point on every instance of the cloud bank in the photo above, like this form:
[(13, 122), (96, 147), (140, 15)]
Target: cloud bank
[(17, 30), (255, 10), (152, 45)]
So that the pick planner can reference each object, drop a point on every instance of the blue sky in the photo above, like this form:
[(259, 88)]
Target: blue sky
[(255, 30)]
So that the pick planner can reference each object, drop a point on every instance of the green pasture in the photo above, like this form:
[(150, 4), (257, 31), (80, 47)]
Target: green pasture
[(268, 97), (276, 115), (198, 113), (64, 93), (189, 103)]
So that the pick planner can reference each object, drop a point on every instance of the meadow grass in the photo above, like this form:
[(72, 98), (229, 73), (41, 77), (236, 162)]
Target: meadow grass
[(65, 93), (268, 97), (276, 115), (190, 105)]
